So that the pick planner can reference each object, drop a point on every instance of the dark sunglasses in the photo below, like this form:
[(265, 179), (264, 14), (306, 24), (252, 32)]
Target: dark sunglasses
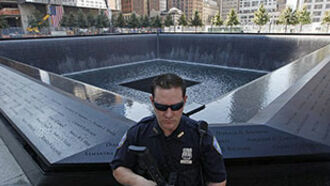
[(174, 107)]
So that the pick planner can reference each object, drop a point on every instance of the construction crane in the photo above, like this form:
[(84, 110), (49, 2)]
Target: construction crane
[(35, 29)]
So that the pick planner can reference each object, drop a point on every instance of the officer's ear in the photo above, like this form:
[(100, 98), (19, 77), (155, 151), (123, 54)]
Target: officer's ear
[(151, 99), (185, 98)]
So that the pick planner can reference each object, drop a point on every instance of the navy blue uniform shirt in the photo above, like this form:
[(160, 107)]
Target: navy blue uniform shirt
[(180, 152)]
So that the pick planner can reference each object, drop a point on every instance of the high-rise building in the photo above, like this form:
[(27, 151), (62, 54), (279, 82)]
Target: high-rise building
[(210, 9), (188, 6), (248, 7), (114, 4), (226, 6), (140, 7), (317, 8), (162, 5)]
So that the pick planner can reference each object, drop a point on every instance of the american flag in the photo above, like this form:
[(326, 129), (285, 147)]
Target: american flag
[(56, 14)]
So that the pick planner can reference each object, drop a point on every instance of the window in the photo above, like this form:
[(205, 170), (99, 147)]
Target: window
[(327, 6), (318, 1), (309, 1), (318, 13), (316, 20), (317, 6), (309, 7)]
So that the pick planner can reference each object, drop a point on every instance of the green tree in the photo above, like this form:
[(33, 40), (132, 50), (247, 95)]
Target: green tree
[(216, 20), (183, 20), (120, 21), (232, 19), (168, 20), (82, 19), (156, 22), (196, 21), (3, 22), (326, 19), (140, 21), (288, 17), (133, 21), (65, 21), (69, 20), (261, 17), (91, 20), (304, 17), (102, 20), (145, 21)]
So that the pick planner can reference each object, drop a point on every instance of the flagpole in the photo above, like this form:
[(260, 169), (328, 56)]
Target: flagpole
[(50, 16), (109, 13)]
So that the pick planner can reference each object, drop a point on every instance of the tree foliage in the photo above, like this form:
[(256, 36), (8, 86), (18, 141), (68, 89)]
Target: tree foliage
[(72, 21), (156, 22), (232, 18), (196, 21), (102, 20), (304, 17), (82, 19), (65, 21), (261, 16), (168, 20), (3, 22), (145, 21), (133, 21), (120, 21), (288, 17), (216, 20), (326, 19), (91, 20), (183, 20)]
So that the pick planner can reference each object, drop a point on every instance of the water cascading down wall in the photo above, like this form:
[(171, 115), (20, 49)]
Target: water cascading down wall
[(70, 128)]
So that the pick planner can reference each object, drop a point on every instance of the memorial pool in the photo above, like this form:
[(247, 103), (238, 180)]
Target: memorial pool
[(210, 82), (271, 124)]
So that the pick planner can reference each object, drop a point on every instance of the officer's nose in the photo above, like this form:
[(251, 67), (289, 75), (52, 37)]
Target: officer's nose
[(168, 113)]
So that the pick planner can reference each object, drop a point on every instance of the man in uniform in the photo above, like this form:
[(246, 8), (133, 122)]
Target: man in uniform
[(173, 140)]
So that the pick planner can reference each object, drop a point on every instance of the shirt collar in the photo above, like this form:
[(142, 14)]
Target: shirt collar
[(178, 133)]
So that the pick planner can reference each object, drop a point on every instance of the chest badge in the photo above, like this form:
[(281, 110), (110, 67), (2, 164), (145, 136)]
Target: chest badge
[(186, 156)]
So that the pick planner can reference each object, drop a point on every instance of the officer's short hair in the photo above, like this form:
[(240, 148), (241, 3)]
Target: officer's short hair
[(168, 81)]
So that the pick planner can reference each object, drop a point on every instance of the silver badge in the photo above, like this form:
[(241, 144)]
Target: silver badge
[(186, 156)]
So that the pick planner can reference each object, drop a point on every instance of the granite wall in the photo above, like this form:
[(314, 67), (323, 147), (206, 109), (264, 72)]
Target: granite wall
[(262, 52), (71, 54)]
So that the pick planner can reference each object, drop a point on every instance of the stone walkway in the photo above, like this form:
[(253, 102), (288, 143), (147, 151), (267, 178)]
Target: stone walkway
[(11, 173)]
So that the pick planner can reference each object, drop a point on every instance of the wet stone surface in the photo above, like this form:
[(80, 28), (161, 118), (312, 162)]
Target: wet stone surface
[(145, 84), (213, 81)]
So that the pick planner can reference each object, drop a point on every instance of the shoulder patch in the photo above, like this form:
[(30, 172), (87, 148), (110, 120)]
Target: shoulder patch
[(122, 141), (216, 145)]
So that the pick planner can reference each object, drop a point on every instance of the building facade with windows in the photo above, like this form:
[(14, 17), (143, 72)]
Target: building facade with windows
[(188, 7), (162, 5), (317, 8), (210, 9), (140, 7), (248, 7), (226, 6)]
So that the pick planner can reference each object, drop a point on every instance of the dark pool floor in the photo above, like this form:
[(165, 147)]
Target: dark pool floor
[(206, 82)]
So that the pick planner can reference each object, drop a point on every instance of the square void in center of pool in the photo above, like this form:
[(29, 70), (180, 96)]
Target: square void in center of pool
[(145, 84), (206, 83)]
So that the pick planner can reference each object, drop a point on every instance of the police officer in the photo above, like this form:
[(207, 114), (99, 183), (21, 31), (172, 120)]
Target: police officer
[(173, 140)]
